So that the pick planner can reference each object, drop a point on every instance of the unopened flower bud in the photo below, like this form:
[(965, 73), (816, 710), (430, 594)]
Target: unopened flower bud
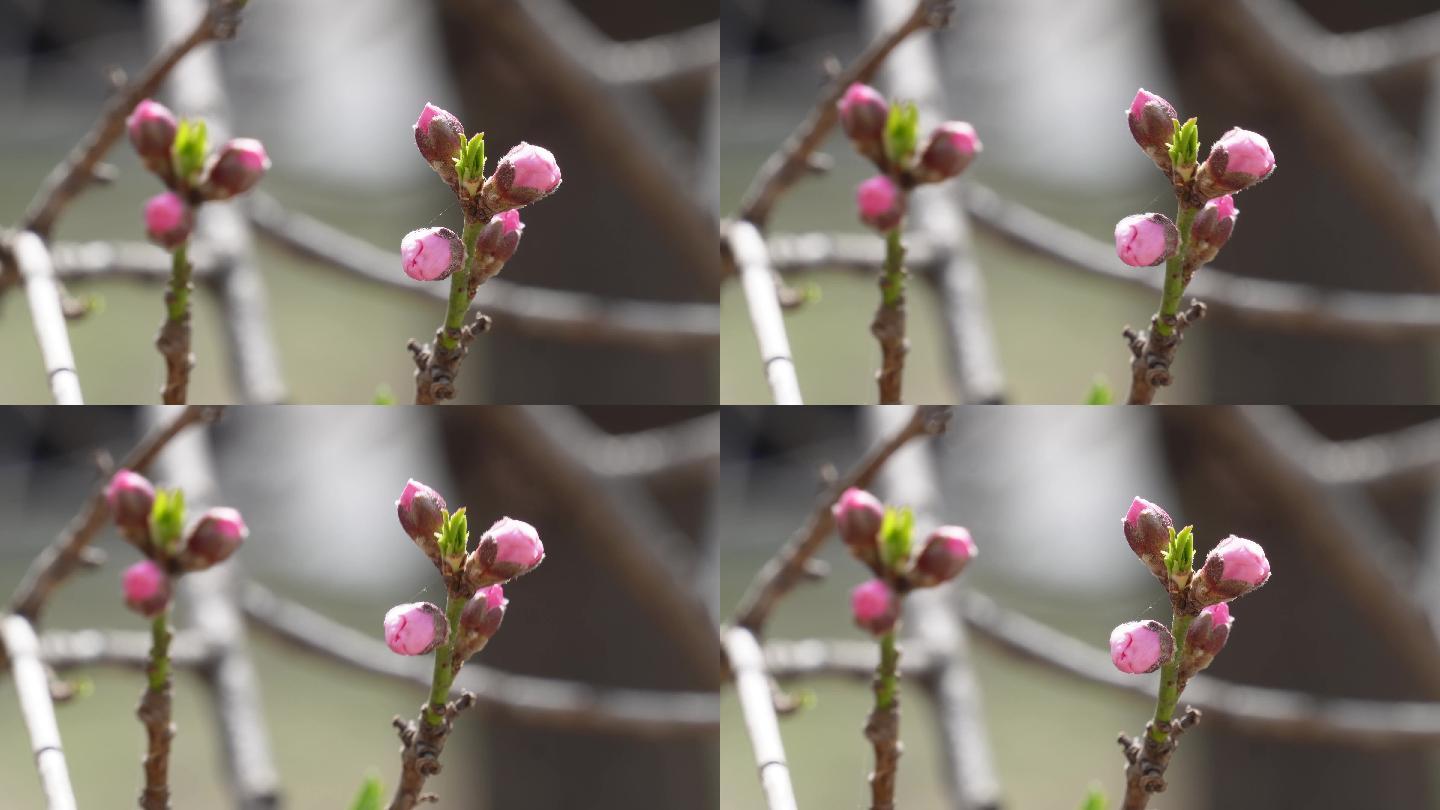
[(527, 173), (152, 132), (212, 539), (431, 254), (863, 113), (500, 237), (881, 203), (949, 151), (146, 587), (858, 516), (505, 551), (1233, 568), (168, 220), (439, 136), (945, 554), (1145, 240), (1212, 227), (1152, 125), (130, 496), (420, 511), (480, 620), (1237, 161), (1206, 637), (235, 169), (415, 628), (1140, 647), (876, 608), (1147, 530)]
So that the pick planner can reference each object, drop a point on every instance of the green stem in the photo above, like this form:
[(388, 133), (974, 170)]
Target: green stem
[(159, 669), (892, 286), (887, 672), (444, 667), (179, 299), (1175, 274), (460, 288), (1170, 681)]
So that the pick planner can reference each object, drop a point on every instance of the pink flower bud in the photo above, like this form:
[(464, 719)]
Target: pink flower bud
[(949, 151), (1233, 568), (168, 220), (875, 606), (484, 612), (945, 554), (1145, 240), (500, 237), (1140, 647), (1207, 636), (863, 113), (235, 169), (1237, 161), (858, 516), (213, 538), (527, 173), (1147, 530), (415, 628), (152, 131), (431, 254), (506, 550), (146, 587), (1212, 227), (419, 510), (881, 203), (1151, 119), (439, 136), (130, 496)]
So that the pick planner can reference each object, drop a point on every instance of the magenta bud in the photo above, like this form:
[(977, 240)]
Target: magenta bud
[(1233, 568), (863, 113), (945, 554), (431, 254), (527, 173), (235, 169), (415, 628), (858, 516), (1207, 636), (420, 511), (152, 131), (1212, 227), (881, 203), (1140, 647), (500, 237), (168, 220), (484, 612), (213, 538), (949, 151), (1145, 240), (1152, 125), (1147, 530), (1237, 161), (876, 608), (130, 496), (146, 587), (506, 550), (439, 137)]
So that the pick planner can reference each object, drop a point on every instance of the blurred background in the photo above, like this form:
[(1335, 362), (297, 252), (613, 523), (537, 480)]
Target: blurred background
[(1343, 501), (1347, 94), (627, 573), (622, 94)]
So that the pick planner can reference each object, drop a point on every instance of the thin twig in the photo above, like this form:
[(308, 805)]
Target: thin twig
[(783, 571), (32, 686), (687, 447), (127, 649), (154, 714), (745, 249), (32, 261), (757, 704), (851, 660), (1354, 54), (64, 556), (672, 57)]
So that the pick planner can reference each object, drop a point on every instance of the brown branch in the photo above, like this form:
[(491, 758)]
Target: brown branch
[(792, 160), (757, 705), (420, 747), (64, 556), (173, 340), (32, 685), (661, 59), (888, 327), (32, 262), (1354, 54), (1152, 353), (68, 179), (526, 310), (783, 571), (686, 447), (1147, 760), (154, 714), (1369, 460), (882, 729), (539, 701), (744, 248)]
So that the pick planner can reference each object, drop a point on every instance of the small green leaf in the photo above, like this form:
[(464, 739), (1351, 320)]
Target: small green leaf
[(902, 132), (383, 395), (1094, 799), (371, 796), (1100, 393), (454, 534), (1180, 554), (895, 532), (189, 150), (167, 518), (470, 162), (1185, 146)]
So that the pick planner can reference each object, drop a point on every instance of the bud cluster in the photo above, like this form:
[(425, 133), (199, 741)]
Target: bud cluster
[(508, 549), (1233, 568), (888, 136), (154, 522), (880, 539), (177, 152)]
